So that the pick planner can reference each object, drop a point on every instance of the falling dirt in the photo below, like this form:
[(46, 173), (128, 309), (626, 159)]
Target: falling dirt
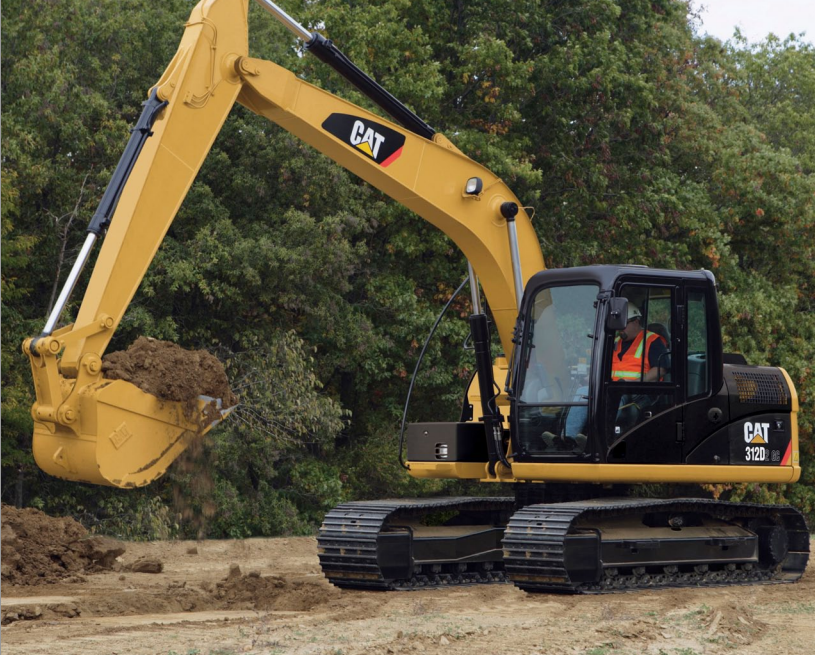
[(263, 596), (169, 372)]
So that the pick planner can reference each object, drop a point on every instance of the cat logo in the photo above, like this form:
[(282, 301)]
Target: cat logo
[(366, 139), (757, 432), (375, 141)]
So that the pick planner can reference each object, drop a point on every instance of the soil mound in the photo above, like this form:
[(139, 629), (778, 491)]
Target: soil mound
[(169, 372), (40, 549), (269, 592)]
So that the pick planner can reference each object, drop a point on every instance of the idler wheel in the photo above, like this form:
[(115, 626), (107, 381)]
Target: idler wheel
[(773, 544)]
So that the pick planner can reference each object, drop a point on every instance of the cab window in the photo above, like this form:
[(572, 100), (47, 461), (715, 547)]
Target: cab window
[(640, 365), (553, 389), (641, 351), (698, 382)]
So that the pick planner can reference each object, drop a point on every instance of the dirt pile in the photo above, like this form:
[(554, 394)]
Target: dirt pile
[(169, 372), (268, 592), (40, 549)]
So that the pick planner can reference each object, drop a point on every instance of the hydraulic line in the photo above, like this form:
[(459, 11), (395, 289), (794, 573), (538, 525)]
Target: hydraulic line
[(418, 364), (107, 206)]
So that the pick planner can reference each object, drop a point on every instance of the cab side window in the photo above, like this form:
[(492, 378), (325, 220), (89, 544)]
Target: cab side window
[(698, 382), (642, 350), (641, 360)]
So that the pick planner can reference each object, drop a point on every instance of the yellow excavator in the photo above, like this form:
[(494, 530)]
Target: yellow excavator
[(566, 428)]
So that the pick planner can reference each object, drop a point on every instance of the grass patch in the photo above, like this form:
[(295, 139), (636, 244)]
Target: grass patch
[(794, 608)]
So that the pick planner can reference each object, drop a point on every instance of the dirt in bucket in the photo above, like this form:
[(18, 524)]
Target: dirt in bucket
[(169, 372)]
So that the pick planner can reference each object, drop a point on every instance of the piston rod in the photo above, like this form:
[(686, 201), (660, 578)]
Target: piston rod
[(475, 296), (292, 25), (509, 210), (325, 50), (70, 283)]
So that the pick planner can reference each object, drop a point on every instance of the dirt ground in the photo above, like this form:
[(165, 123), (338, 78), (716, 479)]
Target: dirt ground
[(267, 596)]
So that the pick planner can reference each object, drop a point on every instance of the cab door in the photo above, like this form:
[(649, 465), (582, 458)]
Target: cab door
[(642, 414), (551, 400)]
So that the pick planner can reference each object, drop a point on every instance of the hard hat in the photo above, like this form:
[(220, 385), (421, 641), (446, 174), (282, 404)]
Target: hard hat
[(633, 312)]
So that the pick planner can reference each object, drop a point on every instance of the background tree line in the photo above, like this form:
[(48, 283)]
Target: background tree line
[(635, 139)]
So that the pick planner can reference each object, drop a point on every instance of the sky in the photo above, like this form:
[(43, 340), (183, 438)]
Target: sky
[(757, 18)]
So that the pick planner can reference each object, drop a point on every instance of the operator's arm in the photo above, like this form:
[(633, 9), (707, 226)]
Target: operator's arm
[(657, 359), (653, 375)]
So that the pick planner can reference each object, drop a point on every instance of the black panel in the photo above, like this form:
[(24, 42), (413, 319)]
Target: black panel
[(713, 450), (703, 417), (479, 545), (446, 442), (759, 440), (679, 550), (581, 557), (652, 435)]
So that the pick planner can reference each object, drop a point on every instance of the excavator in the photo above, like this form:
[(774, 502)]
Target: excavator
[(546, 416)]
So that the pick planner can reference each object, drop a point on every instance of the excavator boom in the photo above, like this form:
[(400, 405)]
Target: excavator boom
[(95, 430)]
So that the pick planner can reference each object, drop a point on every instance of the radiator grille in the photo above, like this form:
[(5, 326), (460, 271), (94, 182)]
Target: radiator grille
[(761, 388)]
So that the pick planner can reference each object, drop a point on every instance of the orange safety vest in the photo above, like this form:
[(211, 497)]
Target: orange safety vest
[(630, 367)]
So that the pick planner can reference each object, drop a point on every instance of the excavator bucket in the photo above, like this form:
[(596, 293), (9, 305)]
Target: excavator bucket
[(121, 436)]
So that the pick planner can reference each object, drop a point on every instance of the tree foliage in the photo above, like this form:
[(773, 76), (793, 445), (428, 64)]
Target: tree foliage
[(634, 139)]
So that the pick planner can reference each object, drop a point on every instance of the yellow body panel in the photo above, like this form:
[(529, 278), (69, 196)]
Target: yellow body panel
[(607, 473), (795, 454)]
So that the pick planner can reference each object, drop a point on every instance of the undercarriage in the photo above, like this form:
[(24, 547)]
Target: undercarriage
[(595, 545)]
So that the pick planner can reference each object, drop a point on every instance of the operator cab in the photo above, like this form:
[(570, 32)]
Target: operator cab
[(569, 399)]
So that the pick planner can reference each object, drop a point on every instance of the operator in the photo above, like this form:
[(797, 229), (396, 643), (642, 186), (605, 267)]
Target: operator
[(628, 363)]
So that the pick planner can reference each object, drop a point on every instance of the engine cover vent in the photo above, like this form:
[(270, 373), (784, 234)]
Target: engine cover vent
[(761, 388)]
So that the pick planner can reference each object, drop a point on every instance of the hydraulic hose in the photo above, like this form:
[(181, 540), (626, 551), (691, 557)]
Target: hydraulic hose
[(418, 364)]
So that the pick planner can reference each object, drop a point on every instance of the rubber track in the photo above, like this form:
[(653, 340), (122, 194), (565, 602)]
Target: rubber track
[(535, 537), (347, 542)]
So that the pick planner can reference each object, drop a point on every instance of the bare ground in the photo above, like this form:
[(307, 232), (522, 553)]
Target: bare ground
[(278, 602)]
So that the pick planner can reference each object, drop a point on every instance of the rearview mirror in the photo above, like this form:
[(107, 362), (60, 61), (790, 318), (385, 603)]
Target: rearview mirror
[(617, 317)]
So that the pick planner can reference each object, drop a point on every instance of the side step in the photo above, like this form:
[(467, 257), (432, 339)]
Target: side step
[(409, 544), (604, 545)]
